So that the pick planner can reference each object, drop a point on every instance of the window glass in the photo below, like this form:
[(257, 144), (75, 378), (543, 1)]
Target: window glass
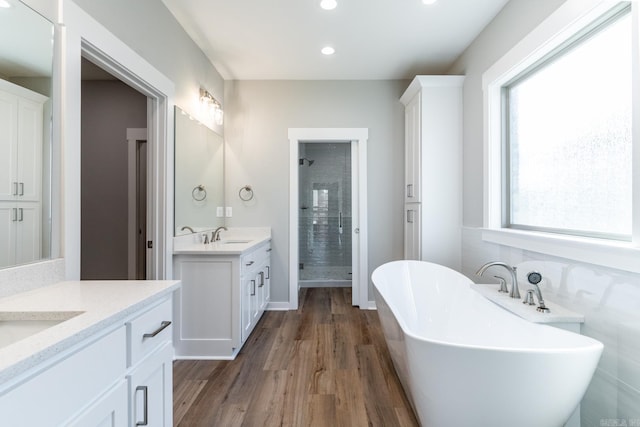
[(568, 138)]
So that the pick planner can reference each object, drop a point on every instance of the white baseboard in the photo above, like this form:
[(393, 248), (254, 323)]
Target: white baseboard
[(278, 306)]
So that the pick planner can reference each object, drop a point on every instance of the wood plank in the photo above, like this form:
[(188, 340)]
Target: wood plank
[(324, 364)]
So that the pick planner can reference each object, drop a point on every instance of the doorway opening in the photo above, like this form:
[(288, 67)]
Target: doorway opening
[(113, 178), (324, 195), (355, 139)]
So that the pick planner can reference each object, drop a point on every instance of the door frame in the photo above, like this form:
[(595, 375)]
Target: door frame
[(84, 37), (357, 137), (134, 135)]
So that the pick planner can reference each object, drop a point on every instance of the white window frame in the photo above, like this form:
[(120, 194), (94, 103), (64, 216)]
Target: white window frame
[(569, 19)]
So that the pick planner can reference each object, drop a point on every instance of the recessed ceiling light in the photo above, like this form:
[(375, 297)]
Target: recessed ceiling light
[(4, 4), (328, 50), (328, 4), (429, 1)]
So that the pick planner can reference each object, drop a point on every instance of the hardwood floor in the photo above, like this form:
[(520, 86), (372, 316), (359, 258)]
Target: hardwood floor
[(325, 364)]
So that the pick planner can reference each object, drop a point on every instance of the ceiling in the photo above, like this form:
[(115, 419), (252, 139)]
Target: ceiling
[(373, 39)]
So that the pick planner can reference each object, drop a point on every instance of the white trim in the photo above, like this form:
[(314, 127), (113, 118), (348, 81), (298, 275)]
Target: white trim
[(278, 306), (358, 138), (566, 21), (133, 136), (85, 37), (608, 253)]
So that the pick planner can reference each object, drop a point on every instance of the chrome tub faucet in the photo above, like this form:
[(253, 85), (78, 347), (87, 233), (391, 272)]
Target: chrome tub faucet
[(515, 292)]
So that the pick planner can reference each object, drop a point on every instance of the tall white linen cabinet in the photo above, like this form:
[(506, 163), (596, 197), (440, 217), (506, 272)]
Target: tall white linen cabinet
[(433, 170)]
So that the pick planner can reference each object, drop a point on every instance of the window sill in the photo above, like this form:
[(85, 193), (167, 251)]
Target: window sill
[(619, 255)]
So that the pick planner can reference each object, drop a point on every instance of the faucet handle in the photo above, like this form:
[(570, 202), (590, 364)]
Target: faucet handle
[(206, 239), (528, 299), (503, 284)]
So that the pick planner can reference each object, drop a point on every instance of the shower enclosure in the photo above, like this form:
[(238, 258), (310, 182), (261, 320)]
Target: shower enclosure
[(324, 214)]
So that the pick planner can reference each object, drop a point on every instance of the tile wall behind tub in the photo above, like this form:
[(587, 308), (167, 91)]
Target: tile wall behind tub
[(610, 302)]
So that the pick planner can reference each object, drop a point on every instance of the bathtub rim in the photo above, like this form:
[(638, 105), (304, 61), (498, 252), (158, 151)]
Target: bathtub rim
[(591, 344)]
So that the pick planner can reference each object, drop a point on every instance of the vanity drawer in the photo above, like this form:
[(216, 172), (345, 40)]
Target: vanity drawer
[(148, 331)]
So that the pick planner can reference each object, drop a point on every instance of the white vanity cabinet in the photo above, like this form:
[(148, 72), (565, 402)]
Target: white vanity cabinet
[(222, 298), (99, 381), (149, 359), (21, 133), (433, 169), (255, 276)]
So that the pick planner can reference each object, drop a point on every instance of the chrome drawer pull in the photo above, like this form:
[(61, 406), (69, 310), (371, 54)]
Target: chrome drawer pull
[(249, 263), (253, 287), (163, 325), (145, 420)]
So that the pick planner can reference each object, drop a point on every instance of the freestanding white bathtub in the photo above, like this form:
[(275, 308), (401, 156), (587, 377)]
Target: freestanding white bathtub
[(464, 361)]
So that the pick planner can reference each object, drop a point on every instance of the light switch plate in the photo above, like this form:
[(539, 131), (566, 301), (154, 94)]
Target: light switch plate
[(229, 212), (219, 212)]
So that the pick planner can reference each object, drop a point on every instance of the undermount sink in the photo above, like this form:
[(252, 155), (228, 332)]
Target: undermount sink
[(16, 326)]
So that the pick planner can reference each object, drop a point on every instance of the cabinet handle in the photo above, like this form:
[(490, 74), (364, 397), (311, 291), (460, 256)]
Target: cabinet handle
[(21, 216), (409, 190), (145, 412), (410, 216), (261, 279), (15, 188), (269, 250), (14, 214), (249, 263), (21, 189), (253, 287), (163, 325), (268, 272)]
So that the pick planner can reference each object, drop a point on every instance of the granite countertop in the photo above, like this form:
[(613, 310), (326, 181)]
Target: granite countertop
[(234, 241), (94, 305)]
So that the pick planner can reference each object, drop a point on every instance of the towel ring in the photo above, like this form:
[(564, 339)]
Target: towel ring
[(199, 193), (245, 193)]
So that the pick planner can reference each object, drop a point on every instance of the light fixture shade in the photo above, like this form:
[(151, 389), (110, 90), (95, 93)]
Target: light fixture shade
[(328, 50), (328, 4), (211, 105)]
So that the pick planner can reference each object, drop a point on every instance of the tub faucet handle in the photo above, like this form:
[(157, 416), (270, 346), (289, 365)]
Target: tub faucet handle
[(528, 299), (503, 284)]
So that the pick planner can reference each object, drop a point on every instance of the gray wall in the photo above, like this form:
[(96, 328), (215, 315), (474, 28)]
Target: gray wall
[(258, 116), (608, 298), (148, 28), (108, 109)]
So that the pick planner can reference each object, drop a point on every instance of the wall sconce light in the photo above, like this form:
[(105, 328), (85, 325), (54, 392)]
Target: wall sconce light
[(212, 106)]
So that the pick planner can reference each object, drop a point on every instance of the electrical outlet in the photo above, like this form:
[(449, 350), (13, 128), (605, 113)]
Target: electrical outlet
[(229, 212), (219, 212)]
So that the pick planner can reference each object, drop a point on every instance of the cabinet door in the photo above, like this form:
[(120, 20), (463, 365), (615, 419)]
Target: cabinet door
[(207, 307), (151, 389), (249, 287), (109, 410), (412, 231), (8, 136), (8, 215), (413, 150), (27, 224), (29, 150)]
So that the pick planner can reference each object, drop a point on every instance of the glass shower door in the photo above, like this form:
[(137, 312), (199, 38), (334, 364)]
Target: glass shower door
[(325, 212)]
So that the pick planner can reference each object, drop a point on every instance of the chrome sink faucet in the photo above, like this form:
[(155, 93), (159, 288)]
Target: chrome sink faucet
[(215, 236), (515, 292)]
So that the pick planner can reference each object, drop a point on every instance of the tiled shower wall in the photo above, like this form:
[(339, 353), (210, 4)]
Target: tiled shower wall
[(325, 252)]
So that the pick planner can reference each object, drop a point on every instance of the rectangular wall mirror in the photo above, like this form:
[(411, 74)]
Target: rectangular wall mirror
[(26, 64), (199, 176)]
